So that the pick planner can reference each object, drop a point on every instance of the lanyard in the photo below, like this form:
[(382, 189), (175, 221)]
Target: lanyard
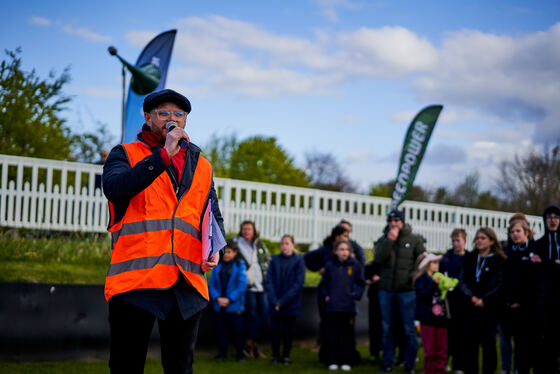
[(480, 265), (550, 246)]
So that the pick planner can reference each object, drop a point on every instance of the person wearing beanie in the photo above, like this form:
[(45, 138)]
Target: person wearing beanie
[(548, 252), (396, 253), (157, 192)]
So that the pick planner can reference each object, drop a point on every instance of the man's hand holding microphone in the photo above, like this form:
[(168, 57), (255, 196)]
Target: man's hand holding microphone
[(176, 138)]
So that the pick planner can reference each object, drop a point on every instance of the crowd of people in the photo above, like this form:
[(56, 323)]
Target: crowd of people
[(463, 300), (158, 188)]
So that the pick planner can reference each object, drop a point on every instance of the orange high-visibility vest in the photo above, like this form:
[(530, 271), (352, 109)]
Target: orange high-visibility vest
[(159, 235)]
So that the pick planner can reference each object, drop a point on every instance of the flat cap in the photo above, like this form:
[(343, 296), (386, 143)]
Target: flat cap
[(166, 96)]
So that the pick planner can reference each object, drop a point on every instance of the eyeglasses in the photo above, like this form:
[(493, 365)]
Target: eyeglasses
[(165, 114), (556, 218), (393, 219)]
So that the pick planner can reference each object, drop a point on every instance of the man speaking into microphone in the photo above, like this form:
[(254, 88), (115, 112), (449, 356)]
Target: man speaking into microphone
[(158, 188)]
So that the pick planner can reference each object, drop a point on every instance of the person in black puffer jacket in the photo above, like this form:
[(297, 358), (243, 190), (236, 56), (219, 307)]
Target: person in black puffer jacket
[(397, 252)]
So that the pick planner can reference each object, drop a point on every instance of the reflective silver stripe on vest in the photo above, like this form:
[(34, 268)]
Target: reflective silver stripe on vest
[(187, 228), (140, 263), (151, 261), (142, 226)]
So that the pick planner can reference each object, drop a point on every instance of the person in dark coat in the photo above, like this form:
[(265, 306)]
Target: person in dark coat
[(316, 260), (433, 313), (397, 253), (520, 290), (357, 250), (371, 275), (177, 309), (451, 265), (284, 285), (227, 286), (548, 252), (342, 286), (481, 282)]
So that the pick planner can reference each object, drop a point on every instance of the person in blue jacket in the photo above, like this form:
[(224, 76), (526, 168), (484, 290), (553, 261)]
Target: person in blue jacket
[(227, 286), (342, 287), (284, 284)]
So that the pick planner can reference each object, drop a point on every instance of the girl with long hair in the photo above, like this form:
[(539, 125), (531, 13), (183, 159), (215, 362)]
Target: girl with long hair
[(481, 282)]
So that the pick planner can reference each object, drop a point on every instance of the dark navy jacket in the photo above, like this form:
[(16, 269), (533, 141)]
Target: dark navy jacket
[(343, 283), (317, 258), (489, 286), (235, 290), (520, 275), (427, 295), (285, 289), (451, 264)]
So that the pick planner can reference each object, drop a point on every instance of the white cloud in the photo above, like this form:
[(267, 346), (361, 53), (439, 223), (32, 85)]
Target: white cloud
[(139, 38), (513, 78), (328, 8), (82, 32), (360, 156), (499, 80), (241, 56), (385, 52), (40, 21), (86, 34)]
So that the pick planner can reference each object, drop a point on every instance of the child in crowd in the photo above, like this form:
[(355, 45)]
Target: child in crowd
[(451, 265), (284, 284), (481, 282), (521, 294), (342, 286), (227, 286), (433, 313)]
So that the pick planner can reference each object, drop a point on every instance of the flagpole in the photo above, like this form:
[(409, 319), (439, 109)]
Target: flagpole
[(123, 102)]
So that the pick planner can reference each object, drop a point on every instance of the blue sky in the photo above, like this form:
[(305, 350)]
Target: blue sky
[(338, 76)]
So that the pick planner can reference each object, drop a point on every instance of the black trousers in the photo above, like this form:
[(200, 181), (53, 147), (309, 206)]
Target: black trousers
[(340, 342), (230, 326), (482, 326), (281, 330), (131, 328), (457, 335), (375, 329)]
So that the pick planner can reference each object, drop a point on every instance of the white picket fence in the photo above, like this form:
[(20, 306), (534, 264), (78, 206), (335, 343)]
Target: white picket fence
[(59, 195)]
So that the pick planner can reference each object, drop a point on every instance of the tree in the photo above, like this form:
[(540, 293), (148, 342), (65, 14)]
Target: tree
[(29, 117), (325, 173), (218, 152), (530, 183), (87, 147), (261, 159), (417, 193), (466, 193)]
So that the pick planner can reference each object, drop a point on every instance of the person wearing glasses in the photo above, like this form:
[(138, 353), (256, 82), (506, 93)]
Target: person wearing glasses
[(481, 283), (397, 253), (548, 253), (157, 192)]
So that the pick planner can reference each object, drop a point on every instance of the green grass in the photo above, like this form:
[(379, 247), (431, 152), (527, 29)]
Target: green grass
[(64, 258), (303, 361), (76, 258), (72, 258)]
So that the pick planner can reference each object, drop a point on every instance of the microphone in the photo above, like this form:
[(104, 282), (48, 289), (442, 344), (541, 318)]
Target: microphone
[(170, 126)]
